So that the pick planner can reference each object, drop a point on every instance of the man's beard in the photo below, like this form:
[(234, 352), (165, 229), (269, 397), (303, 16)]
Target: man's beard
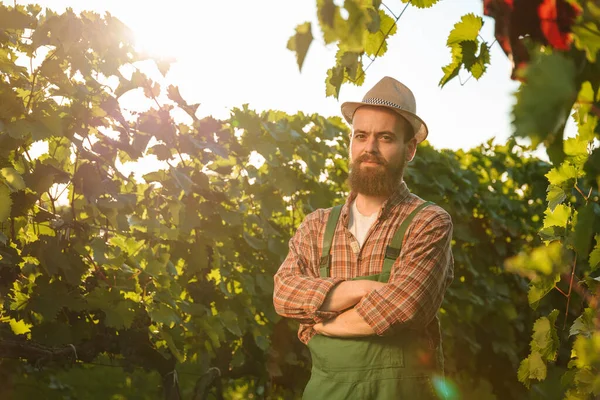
[(378, 181)]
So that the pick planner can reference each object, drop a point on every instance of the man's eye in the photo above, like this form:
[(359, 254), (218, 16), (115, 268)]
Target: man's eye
[(387, 137)]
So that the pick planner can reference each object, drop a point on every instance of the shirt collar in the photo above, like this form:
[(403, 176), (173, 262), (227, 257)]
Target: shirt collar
[(397, 197)]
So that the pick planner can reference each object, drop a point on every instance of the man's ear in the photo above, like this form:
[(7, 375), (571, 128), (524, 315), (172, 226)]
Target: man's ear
[(411, 149)]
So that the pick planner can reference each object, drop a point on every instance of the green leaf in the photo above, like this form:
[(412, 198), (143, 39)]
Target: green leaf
[(300, 42), (556, 195), (119, 312), (545, 100), (594, 259), (19, 327), (584, 229), (481, 62), (163, 314), (5, 203), (183, 181), (587, 38), (171, 345), (254, 242), (576, 150), (161, 151), (12, 178), (533, 367), (563, 176), (540, 287), (466, 30), (375, 44), (584, 324), (230, 321), (545, 339), (557, 217), (15, 18), (421, 3), (333, 82)]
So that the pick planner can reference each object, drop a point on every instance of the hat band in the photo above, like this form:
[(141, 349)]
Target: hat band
[(381, 102)]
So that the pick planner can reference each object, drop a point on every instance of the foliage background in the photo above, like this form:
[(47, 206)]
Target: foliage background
[(114, 287)]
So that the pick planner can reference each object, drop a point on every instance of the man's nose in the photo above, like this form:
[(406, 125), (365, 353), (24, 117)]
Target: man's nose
[(371, 145)]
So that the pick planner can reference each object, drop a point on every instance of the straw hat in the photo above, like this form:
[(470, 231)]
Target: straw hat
[(390, 93)]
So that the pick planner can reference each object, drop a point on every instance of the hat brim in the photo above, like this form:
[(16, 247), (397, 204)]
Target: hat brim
[(419, 126)]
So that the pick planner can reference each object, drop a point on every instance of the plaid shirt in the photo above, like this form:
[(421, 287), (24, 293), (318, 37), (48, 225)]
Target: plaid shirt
[(418, 280)]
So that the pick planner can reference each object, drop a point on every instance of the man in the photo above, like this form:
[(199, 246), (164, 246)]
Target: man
[(367, 289)]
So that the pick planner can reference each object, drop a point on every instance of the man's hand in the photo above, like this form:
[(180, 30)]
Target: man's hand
[(348, 293), (347, 324)]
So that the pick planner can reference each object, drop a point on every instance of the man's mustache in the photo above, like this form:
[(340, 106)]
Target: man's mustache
[(374, 158)]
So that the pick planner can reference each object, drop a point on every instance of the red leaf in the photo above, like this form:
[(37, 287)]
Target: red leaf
[(556, 19)]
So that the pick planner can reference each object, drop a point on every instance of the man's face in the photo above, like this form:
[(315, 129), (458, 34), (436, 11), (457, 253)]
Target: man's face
[(378, 152)]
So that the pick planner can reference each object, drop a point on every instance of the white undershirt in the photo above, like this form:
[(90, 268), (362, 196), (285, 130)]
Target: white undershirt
[(359, 224)]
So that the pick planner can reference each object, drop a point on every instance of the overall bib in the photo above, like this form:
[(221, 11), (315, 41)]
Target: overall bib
[(392, 367)]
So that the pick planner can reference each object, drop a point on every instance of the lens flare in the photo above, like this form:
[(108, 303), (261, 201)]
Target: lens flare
[(445, 388)]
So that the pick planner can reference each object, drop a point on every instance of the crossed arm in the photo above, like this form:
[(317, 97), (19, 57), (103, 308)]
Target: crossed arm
[(346, 308), (342, 297)]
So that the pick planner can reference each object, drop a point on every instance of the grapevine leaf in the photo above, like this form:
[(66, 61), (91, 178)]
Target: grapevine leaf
[(587, 38), (576, 149), (594, 259), (584, 324), (544, 102), (5, 203), (171, 345), (333, 82), (375, 44), (563, 176), (557, 217), (545, 339), (230, 321), (533, 367), (556, 195), (12, 178), (540, 287), (421, 3), (163, 314), (19, 327), (584, 229), (466, 30), (119, 312), (183, 181), (254, 242), (300, 42)]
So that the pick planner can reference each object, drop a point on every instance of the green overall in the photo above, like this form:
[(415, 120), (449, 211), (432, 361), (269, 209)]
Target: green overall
[(396, 366)]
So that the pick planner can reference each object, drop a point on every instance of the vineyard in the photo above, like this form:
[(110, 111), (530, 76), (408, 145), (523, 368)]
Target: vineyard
[(160, 286)]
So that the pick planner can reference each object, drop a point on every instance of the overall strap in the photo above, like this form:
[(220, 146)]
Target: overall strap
[(324, 265), (392, 251)]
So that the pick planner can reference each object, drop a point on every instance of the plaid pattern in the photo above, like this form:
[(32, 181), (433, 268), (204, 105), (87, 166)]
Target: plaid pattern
[(417, 284)]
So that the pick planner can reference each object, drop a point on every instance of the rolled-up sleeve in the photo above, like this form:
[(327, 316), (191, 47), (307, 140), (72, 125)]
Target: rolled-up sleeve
[(419, 278), (299, 291)]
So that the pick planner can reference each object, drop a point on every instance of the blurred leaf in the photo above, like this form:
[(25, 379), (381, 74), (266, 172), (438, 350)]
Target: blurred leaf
[(594, 258), (300, 42), (13, 179), (544, 102), (584, 229), (5, 203)]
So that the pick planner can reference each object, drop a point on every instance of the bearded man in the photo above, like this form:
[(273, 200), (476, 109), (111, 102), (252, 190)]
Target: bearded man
[(366, 279)]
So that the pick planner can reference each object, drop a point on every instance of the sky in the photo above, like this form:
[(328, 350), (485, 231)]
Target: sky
[(231, 52)]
